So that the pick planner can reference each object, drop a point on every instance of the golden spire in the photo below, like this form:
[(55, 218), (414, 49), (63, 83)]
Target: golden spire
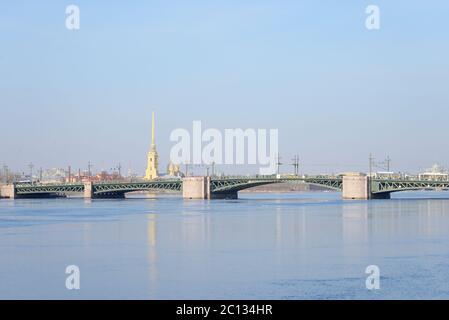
[(152, 164), (153, 145)]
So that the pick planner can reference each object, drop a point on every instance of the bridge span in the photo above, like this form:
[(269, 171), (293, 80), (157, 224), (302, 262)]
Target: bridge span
[(352, 187), (210, 188)]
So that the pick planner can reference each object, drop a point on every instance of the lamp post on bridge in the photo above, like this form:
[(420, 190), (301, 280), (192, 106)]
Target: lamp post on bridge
[(31, 166), (278, 165), (89, 170), (119, 168), (296, 164), (385, 165), (387, 162), (371, 162)]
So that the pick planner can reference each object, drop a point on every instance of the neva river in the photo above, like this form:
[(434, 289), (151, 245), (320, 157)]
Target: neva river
[(262, 246)]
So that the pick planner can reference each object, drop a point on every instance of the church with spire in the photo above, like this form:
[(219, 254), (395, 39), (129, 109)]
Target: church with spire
[(152, 164)]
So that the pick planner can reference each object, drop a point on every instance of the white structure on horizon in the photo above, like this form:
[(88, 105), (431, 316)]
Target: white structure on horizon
[(437, 173), (54, 175)]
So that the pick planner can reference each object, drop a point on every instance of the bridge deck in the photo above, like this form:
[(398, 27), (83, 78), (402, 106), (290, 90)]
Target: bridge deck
[(224, 185)]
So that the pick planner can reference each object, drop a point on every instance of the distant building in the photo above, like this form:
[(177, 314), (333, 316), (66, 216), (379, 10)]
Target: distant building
[(436, 173), (351, 173), (105, 176), (54, 175), (84, 176), (388, 175), (79, 177), (173, 170)]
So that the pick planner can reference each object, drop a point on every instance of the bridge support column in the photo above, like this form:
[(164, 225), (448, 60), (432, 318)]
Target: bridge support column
[(8, 191), (196, 188), (88, 190), (356, 187)]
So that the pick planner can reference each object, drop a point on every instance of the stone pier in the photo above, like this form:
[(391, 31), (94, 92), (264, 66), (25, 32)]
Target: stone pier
[(196, 188), (88, 190), (8, 191), (356, 186)]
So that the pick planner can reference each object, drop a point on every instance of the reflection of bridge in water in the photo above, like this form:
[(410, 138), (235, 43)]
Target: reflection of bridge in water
[(352, 187)]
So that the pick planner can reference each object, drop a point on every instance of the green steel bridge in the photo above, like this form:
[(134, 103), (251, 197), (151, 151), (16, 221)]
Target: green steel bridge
[(223, 186), (379, 186), (118, 189), (99, 190)]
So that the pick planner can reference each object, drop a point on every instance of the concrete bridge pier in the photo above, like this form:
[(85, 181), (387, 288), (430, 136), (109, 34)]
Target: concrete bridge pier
[(88, 190), (8, 191), (200, 188), (196, 188), (358, 187)]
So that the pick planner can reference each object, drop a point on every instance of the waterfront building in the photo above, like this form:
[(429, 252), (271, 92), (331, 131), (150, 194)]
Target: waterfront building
[(437, 173), (173, 170)]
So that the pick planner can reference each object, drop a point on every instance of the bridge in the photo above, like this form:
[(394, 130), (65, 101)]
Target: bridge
[(218, 187), (352, 187), (386, 187)]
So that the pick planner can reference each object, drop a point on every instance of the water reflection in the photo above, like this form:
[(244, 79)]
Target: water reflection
[(152, 255), (294, 246), (390, 218), (87, 233), (355, 221), (195, 224)]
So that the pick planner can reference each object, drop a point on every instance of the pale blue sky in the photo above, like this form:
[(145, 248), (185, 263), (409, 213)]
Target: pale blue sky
[(335, 90)]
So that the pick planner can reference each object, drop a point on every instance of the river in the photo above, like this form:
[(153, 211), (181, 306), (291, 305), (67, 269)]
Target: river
[(261, 246)]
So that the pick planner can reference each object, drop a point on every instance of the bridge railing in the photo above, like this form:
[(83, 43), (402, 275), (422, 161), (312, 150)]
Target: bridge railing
[(237, 177), (43, 184), (40, 184), (135, 181)]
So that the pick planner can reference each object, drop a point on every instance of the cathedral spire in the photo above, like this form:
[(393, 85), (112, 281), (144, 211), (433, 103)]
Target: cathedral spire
[(153, 144), (152, 164)]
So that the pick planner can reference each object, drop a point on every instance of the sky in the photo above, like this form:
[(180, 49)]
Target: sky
[(335, 90)]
